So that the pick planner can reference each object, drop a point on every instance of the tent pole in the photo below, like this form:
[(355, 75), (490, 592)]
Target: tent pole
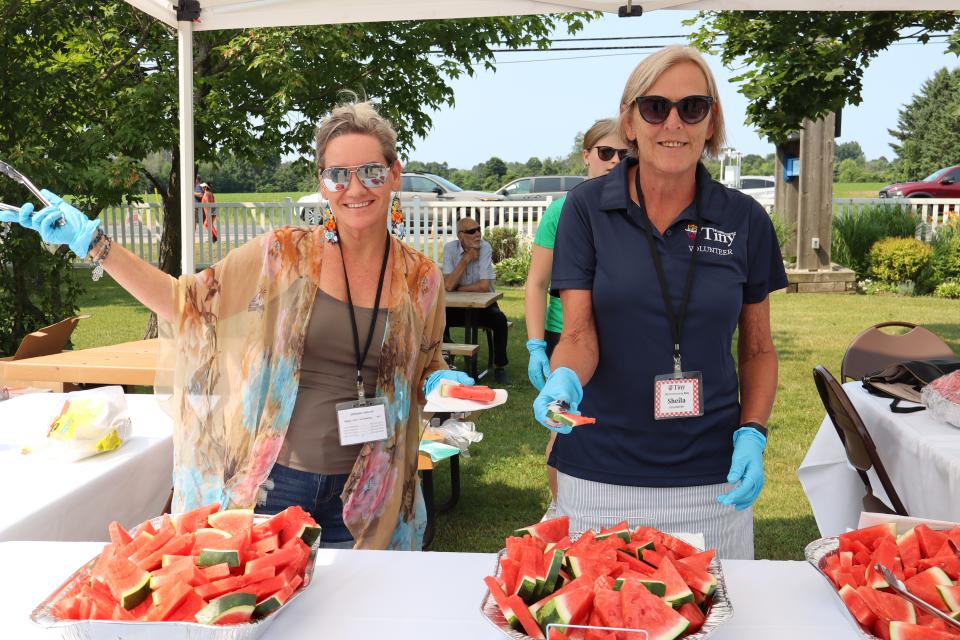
[(185, 80)]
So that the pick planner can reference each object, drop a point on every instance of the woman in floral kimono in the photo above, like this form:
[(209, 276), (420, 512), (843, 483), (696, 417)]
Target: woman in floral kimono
[(266, 353)]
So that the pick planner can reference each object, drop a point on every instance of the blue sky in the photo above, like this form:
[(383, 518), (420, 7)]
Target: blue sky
[(536, 108)]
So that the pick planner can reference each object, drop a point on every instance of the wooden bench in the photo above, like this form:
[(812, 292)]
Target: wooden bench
[(456, 349), (425, 466)]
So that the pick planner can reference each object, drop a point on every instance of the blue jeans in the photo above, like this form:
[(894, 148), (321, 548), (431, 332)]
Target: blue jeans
[(318, 494)]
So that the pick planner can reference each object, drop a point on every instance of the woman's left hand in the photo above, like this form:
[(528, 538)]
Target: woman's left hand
[(746, 468), (445, 374)]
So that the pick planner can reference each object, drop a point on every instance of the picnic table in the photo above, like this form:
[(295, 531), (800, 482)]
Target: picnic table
[(127, 363), (471, 302)]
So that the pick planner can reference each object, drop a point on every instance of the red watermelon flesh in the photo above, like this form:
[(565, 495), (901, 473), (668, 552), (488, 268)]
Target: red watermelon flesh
[(857, 606), (501, 599), (887, 605), (643, 610), (886, 555), (698, 579), (906, 631), (924, 586), (553, 530), (908, 547), (677, 590), (592, 634), (177, 546), (190, 521), (930, 541), (680, 548), (692, 613), (950, 565), (703, 559), (509, 568), (167, 600), (608, 606), (530, 626), (188, 609), (119, 535), (869, 537)]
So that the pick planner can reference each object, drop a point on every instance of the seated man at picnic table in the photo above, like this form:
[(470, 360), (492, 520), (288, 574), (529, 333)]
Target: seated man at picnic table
[(468, 266)]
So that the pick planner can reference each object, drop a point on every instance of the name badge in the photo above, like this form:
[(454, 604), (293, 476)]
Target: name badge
[(675, 397), (362, 421)]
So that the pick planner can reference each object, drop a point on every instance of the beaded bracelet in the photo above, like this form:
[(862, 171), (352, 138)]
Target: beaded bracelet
[(100, 239)]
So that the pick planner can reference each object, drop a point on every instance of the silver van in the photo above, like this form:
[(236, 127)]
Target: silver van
[(539, 187)]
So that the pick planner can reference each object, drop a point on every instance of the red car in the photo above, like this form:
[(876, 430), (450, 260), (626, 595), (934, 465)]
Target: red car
[(944, 183)]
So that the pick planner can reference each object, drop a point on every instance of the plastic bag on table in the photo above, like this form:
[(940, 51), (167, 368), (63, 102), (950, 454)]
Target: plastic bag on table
[(457, 433), (90, 422), (942, 398)]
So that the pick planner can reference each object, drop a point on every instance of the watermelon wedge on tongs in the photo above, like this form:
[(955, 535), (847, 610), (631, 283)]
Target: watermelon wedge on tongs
[(557, 411)]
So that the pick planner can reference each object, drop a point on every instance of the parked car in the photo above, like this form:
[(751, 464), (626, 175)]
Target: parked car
[(944, 183), (428, 186), (760, 188), (539, 187)]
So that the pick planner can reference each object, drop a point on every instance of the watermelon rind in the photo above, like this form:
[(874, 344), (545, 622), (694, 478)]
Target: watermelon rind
[(553, 572), (230, 604), (309, 534), (135, 595), (230, 520), (210, 557), (951, 597), (656, 587), (268, 606)]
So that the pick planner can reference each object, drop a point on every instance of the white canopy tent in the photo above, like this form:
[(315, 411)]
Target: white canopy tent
[(210, 15)]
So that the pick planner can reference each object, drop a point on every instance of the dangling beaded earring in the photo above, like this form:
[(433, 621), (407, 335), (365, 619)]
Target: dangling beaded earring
[(330, 226), (398, 224)]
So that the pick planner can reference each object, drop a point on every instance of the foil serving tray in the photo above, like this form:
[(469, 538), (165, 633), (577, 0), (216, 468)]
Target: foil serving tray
[(720, 610), (126, 630)]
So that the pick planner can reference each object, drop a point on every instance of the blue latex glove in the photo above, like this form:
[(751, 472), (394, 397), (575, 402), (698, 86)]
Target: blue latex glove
[(25, 218), (746, 468), (445, 374), (76, 231), (539, 366), (561, 386)]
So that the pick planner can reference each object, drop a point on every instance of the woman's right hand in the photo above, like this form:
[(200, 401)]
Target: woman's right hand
[(538, 368), (60, 223), (561, 386)]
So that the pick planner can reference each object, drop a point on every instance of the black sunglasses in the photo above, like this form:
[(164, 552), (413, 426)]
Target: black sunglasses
[(472, 231), (606, 153), (656, 109)]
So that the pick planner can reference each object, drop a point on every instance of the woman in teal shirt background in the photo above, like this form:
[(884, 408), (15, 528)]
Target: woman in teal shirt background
[(603, 148)]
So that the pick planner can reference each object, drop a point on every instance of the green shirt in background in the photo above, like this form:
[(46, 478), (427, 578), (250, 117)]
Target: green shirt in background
[(546, 234)]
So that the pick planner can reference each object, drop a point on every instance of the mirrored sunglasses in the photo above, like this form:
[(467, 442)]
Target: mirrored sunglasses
[(370, 175), (606, 153), (656, 109)]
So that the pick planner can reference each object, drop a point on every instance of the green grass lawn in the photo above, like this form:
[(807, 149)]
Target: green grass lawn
[(504, 482), (857, 189)]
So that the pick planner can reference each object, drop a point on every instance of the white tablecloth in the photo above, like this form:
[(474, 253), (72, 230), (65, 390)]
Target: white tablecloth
[(921, 456), (44, 499), (384, 594)]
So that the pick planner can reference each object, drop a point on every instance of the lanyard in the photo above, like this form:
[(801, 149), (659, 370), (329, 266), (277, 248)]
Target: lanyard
[(676, 321), (373, 318)]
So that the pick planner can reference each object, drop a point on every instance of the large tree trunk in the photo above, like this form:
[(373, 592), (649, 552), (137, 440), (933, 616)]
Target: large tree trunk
[(169, 252)]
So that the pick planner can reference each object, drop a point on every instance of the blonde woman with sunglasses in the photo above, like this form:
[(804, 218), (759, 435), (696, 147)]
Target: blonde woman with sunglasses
[(603, 148), (300, 362), (657, 265)]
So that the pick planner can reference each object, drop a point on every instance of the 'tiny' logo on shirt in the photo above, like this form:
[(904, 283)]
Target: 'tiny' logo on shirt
[(720, 237), (692, 232)]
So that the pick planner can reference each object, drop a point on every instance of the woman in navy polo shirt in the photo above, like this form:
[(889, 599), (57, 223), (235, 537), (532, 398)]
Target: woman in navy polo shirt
[(657, 265)]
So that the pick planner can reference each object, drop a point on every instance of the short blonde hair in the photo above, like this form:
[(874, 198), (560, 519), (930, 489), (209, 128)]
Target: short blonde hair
[(356, 117), (600, 130), (651, 68)]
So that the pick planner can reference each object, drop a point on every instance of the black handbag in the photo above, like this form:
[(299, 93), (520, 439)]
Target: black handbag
[(902, 381)]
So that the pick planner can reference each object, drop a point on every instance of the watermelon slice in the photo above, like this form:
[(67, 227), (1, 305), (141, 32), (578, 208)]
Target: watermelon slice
[(553, 530), (191, 521), (930, 541), (222, 587), (643, 610), (119, 535), (299, 524), (167, 600), (129, 584), (188, 609), (477, 393), (703, 559), (232, 608), (571, 607), (692, 613), (885, 554), (868, 536), (677, 590), (236, 522), (607, 605), (951, 598), (273, 602), (501, 599), (925, 585), (857, 606), (529, 625), (656, 587), (621, 530), (907, 631), (569, 419), (888, 606)]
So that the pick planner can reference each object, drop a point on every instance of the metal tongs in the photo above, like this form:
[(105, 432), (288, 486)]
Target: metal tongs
[(15, 175), (897, 585)]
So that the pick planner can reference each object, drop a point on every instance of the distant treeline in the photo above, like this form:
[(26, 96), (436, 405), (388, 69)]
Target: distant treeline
[(275, 176)]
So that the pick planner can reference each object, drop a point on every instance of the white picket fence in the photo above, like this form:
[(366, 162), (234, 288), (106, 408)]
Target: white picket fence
[(430, 224), (931, 213)]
